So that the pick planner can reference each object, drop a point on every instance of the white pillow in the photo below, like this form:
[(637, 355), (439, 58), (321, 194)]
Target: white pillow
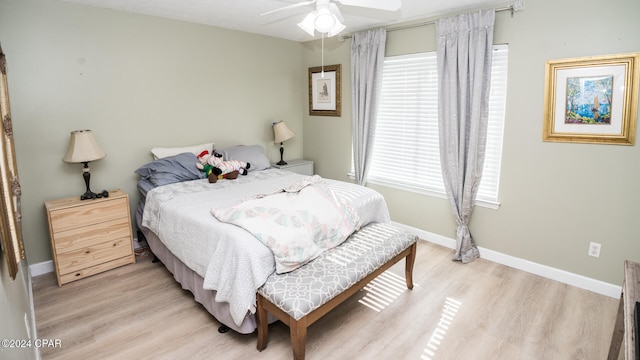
[(159, 153)]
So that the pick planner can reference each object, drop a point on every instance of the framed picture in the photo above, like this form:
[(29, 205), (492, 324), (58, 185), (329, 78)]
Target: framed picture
[(325, 95), (10, 217), (592, 99)]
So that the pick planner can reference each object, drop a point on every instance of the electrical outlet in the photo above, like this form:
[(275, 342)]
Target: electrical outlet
[(594, 249)]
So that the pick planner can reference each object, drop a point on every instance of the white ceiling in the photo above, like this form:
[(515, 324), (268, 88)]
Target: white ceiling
[(244, 15)]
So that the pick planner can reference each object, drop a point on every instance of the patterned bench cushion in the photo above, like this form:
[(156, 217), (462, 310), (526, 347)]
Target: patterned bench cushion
[(305, 289)]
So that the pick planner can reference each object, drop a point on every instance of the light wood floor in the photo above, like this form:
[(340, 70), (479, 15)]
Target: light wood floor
[(480, 310)]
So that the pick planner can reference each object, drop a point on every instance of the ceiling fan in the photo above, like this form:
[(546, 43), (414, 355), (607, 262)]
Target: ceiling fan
[(326, 18)]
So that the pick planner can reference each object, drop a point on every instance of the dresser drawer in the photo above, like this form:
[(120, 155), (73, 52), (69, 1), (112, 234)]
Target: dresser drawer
[(81, 216), (93, 255), (79, 274), (79, 238)]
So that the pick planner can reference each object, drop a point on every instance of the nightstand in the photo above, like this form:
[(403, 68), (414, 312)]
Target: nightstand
[(89, 236), (299, 166)]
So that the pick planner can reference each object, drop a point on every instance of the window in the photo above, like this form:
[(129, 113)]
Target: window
[(406, 152)]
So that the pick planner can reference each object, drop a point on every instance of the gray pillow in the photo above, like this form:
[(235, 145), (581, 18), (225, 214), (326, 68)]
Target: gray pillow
[(171, 169), (253, 154)]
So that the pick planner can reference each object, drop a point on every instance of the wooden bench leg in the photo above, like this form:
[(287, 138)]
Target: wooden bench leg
[(298, 331), (408, 266), (263, 323)]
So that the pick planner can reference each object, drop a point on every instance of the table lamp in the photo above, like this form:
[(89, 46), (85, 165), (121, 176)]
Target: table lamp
[(84, 148), (281, 134)]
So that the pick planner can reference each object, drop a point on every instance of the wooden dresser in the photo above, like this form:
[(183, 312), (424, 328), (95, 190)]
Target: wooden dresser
[(89, 236)]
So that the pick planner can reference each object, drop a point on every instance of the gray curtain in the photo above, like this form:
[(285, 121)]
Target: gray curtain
[(367, 59), (464, 77)]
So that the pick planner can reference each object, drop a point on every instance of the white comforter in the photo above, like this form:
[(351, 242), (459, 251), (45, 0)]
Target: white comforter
[(230, 259)]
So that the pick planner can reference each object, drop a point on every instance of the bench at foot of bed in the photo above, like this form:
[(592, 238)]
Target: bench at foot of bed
[(301, 297)]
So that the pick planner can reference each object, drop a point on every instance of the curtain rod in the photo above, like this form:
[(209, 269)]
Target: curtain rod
[(517, 6)]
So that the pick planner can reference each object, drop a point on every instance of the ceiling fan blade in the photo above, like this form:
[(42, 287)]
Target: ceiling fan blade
[(389, 5), (335, 11), (292, 6)]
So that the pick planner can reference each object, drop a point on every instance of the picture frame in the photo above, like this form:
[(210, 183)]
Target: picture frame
[(325, 90), (592, 99), (10, 193)]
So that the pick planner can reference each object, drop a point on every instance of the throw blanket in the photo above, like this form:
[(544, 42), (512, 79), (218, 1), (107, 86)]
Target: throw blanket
[(297, 223)]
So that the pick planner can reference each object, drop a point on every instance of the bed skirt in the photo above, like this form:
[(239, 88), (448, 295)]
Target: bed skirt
[(193, 282)]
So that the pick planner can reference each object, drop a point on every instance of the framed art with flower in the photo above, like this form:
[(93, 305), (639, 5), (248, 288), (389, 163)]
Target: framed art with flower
[(592, 99)]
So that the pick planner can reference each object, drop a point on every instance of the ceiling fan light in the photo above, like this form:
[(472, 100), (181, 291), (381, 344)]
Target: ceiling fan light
[(308, 24), (337, 28), (325, 21)]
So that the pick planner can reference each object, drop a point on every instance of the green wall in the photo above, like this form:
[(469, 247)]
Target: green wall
[(555, 197), (16, 312), (138, 82)]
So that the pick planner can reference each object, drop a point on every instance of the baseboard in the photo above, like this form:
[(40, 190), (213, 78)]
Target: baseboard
[(583, 282), (41, 268), (31, 319)]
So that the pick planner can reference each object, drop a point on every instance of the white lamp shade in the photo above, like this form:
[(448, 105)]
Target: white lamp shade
[(83, 147), (281, 132), (308, 23), (336, 29), (325, 21)]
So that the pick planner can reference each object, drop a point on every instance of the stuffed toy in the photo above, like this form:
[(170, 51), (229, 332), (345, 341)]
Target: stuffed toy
[(227, 166), (203, 163), (216, 168), (213, 177)]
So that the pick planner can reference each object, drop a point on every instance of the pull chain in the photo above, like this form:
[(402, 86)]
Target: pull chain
[(322, 72)]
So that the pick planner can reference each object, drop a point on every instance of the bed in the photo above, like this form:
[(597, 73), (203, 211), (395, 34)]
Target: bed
[(220, 263)]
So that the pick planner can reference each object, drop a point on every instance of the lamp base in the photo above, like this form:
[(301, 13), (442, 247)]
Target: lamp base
[(89, 195), (87, 178), (281, 162)]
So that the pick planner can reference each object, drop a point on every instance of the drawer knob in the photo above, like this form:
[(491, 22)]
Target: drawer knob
[(87, 251), (78, 274)]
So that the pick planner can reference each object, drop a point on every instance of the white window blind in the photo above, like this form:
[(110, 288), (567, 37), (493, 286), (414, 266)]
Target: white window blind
[(406, 151)]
